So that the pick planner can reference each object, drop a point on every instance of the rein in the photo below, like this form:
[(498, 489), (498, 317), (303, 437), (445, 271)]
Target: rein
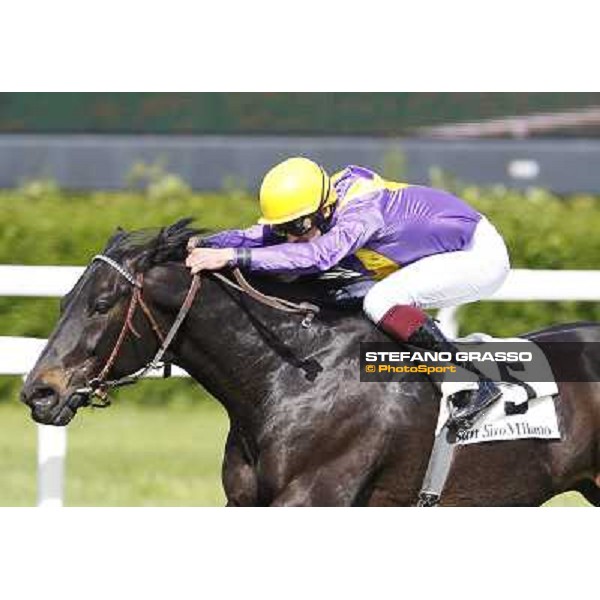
[(306, 308), (99, 386)]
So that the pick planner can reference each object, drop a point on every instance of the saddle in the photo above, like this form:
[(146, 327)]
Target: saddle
[(343, 288)]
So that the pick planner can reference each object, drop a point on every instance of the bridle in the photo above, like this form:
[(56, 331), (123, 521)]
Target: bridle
[(98, 387), (95, 392)]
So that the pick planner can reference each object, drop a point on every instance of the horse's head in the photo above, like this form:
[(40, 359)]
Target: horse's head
[(107, 328)]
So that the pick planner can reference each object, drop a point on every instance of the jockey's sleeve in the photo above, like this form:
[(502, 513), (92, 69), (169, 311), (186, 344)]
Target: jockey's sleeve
[(352, 231), (251, 237)]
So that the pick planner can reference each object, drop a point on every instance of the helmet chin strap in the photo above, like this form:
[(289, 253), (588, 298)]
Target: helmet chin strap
[(322, 219), (325, 187)]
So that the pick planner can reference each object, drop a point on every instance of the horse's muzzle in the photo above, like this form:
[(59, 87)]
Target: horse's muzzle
[(47, 406), (40, 396)]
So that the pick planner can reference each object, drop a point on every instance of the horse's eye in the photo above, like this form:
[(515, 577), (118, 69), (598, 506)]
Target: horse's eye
[(102, 306)]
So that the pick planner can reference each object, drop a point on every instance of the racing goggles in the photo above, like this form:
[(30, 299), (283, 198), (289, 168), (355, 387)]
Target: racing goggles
[(297, 227)]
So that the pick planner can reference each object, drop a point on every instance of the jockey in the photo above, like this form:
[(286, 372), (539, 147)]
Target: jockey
[(425, 248)]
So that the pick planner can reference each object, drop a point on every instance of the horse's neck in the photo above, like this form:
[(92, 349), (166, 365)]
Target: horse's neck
[(232, 349), (244, 352)]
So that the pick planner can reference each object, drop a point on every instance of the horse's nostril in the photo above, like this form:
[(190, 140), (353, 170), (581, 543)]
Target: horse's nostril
[(42, 396)]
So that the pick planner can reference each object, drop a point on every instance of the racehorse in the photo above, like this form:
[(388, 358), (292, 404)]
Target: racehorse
[(303, 429)]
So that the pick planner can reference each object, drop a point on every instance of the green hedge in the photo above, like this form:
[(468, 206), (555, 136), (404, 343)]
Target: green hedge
[(40, 225), (542, 231)]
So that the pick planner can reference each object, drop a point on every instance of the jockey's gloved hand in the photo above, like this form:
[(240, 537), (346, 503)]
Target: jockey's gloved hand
[(193, 243)]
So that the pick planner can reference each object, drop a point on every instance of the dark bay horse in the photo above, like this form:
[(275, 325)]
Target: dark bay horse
[(303, 429)]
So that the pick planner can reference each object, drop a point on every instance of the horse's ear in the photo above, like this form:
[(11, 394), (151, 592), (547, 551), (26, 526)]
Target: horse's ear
[(115, 238), (149, 256), (172, 241), (170, 244)]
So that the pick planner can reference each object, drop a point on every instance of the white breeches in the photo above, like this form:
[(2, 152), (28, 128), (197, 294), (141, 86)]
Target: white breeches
[(446, 279)]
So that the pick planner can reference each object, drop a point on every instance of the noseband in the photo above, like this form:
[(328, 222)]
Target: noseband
[(95, 393)]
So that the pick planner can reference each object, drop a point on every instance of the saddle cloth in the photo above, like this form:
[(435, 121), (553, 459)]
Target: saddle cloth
[(514, 416)]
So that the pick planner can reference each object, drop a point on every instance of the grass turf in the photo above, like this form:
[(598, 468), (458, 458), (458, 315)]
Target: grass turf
[(128, 455), (131, 455)]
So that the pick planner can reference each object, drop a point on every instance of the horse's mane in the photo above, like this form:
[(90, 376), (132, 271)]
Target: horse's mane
[(152, 246), (161, 245)]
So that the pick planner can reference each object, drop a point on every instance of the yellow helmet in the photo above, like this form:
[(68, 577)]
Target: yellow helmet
[(294, 188)]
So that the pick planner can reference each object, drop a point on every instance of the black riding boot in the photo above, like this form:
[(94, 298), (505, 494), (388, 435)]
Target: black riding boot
[(412, 325), (430, 337)]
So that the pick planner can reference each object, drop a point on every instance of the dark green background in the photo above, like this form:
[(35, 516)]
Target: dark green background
[(280, 113)]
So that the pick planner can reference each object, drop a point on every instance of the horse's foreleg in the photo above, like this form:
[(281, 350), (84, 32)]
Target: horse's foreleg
[(238, 474), (302, 493), (329, 485), (590, 491)]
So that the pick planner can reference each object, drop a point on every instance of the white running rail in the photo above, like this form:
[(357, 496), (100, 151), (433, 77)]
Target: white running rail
[(18, 355)]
